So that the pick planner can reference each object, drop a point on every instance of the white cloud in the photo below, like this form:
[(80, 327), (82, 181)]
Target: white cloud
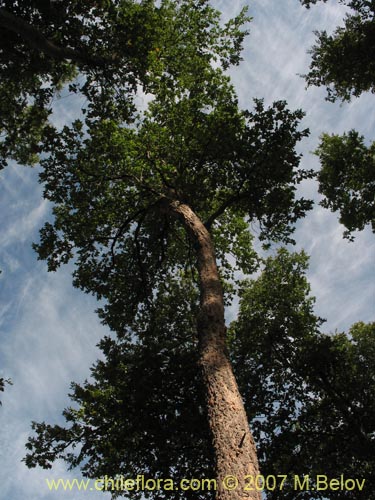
[(23, 209)]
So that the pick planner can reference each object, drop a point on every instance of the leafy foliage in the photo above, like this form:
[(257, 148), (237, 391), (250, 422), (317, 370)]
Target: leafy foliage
[(100, 41), (102, 51), (344, 61), (347, 179)]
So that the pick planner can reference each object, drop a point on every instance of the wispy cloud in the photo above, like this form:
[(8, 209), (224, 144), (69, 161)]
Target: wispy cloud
[(51, 342), (48, 336)]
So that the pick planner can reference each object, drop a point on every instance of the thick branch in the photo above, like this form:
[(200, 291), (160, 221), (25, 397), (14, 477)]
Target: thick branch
[(38, 41), (138, 252), (226, 204)]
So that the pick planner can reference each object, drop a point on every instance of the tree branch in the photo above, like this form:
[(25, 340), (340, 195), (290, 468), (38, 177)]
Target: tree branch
[(121, 229), (138, 252), (38, 41), (230, 201)]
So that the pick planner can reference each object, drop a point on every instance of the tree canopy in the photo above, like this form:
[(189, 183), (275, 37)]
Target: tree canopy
[(112, 184), (45, 45), (310, 395), (102, 51)]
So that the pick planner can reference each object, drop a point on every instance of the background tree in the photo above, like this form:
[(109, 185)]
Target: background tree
[(311, 396), (3, 383), (347, 179), (103, 50), (344, 61), (344, 64)]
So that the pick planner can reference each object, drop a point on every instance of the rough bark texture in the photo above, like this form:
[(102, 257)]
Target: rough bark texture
[(234, 447)]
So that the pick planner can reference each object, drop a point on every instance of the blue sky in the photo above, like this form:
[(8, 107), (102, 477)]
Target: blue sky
[(48, 330)]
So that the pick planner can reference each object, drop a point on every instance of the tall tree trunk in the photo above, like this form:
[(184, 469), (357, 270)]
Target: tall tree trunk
[(234, 447)]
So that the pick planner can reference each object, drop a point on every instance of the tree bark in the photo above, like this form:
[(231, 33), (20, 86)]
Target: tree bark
[(234, 447)]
